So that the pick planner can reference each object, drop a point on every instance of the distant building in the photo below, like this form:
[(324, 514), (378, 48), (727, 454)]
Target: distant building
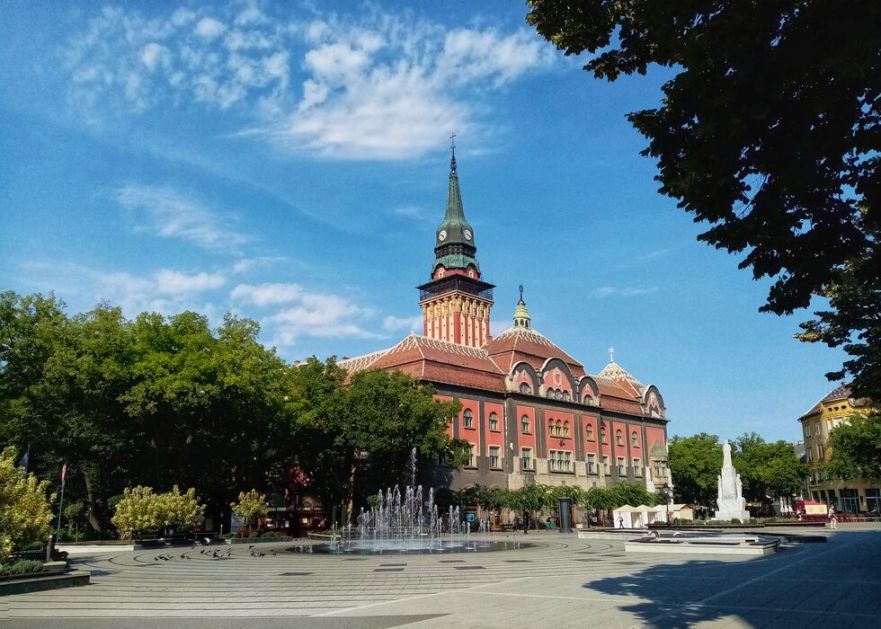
[(531, 412), (847, 496)]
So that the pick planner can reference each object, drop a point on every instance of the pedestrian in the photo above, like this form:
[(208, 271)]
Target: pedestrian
[(525, 522), (833, 521), (620, 522)]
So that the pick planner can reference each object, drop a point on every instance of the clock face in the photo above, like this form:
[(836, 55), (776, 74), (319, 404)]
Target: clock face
[(442, 236), (467, 234)]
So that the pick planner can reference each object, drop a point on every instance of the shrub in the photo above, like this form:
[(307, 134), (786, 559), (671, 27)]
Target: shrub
[(735, 520), (270, 535), (251, 506), (24, 510), (140, 510), (22, 566)]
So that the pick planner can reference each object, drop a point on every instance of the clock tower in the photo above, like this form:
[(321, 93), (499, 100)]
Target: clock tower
[(456, 304)]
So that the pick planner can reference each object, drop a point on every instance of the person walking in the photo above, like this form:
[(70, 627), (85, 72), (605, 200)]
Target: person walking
[(620, 522), (525, 522), (833, 520)]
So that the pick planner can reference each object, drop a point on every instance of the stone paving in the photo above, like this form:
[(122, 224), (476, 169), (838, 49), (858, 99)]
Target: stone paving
[(559, 581)]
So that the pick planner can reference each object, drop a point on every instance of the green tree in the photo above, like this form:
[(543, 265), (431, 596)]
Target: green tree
[(25, 515), (768, 470), (251, 506), (856, 448), (629, 493), (695, 463), (355, 437), (768, 132), (601, 500)]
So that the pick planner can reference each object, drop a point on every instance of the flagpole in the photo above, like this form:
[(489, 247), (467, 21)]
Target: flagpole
[(61, 501)]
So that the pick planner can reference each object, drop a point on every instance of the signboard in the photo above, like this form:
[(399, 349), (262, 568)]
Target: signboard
[(470, 517)]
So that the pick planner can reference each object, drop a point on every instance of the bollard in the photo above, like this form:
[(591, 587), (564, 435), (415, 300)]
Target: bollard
[(565, 515), (50, 546)]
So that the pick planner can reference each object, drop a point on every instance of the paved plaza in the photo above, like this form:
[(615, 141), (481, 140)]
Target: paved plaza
[(559, 581)]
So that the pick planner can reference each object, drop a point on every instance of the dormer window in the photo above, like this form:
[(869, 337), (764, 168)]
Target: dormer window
[(525, 388)]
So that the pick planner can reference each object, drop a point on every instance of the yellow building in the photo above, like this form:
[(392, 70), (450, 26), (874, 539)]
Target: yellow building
[(856, 495)]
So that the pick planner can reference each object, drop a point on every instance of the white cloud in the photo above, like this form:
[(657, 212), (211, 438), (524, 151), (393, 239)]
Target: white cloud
[(392, 90), (393, 324), (176, 283), (153, 54), (209, 28), (123, 61), (603, 292), (167, 291), (169, 213), (268, 294), (246, 265), (369, 85), (305, 313)]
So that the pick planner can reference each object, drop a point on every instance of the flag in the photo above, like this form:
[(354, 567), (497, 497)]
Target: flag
[(63, 472)]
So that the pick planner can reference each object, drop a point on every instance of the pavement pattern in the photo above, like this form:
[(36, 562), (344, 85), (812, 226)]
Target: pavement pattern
[(558, 581)]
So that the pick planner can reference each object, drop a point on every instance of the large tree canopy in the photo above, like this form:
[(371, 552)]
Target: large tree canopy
[(770, 133), (856, 448)]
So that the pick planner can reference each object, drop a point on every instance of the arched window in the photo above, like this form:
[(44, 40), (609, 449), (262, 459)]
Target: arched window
[(566, 429), (619, 438), (525, 388), (590, 432), (493, 422), (603, 434), (551, 430), (558, 394), (549, 393), (524, 424), (468, 418), (634, 439), (566, 395), (559, 428)]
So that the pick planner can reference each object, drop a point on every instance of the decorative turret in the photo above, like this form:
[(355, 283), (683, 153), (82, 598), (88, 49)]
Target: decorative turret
[(454, 248), (521, 314), (456, 303)]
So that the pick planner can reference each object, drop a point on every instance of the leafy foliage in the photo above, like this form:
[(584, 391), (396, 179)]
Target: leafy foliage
[(768, 470), (695, 463), (770, 133), (22, 566), (356, 437), (111, 397), (251, 506), (856, 448), (142, 511), (25, 515)]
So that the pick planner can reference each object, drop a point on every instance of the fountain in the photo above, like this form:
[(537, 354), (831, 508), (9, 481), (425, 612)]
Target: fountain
[(406, 522)]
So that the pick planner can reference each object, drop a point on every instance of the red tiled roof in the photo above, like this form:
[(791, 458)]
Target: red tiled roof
[(525, 344), (433, 360)]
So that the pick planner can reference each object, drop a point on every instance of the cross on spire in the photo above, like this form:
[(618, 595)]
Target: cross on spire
[(521, 292), (611, 354), (453, 142)]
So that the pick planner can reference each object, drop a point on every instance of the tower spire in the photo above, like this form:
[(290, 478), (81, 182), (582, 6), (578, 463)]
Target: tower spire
[(453, 158), (456, 303)]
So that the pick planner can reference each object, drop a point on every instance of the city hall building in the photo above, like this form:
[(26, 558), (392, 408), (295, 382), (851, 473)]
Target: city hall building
[(531, 412)]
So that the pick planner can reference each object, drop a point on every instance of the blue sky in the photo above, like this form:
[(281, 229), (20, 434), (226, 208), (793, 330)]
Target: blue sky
[(288, 162)]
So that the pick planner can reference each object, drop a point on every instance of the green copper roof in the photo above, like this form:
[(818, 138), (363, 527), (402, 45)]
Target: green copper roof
[(454, 246), (521, 314)]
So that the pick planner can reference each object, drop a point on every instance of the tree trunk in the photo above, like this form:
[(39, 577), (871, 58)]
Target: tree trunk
[(94, 521)]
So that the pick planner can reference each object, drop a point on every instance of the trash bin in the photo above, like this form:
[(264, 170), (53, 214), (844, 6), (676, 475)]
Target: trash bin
[(565, 515)]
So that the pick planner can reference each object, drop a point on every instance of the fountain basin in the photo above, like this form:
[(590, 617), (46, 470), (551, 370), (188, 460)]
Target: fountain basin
[(341, 545)]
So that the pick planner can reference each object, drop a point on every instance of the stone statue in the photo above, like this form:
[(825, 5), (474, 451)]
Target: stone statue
[(731, 502)]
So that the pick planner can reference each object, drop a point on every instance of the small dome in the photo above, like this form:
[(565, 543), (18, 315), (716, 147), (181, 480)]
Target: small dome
[(614, 371), (521, 314)]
